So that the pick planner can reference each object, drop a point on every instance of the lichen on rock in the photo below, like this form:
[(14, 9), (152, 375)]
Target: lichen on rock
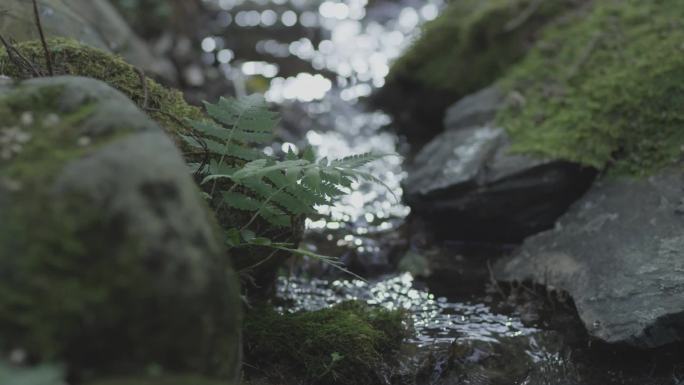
[(604, 89)]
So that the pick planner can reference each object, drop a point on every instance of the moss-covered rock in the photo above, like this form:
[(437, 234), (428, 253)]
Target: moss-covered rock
[(93, 22), (604, 89), (166, 106), (345, 344), (466, 48), (109, 258)]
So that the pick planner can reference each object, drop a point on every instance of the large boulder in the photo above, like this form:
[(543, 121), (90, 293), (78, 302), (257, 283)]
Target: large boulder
[(110, 260), (92, 22), (468, 186), (619, 252), (470, 45)]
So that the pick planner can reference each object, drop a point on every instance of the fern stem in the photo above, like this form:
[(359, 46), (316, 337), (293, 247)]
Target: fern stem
[(254, 217), (261, 262), (225, 148)]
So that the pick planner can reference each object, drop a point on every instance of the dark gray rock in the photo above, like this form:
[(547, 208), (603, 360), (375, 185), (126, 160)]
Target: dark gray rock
[(619, 252), (477, 109), (468, 186)]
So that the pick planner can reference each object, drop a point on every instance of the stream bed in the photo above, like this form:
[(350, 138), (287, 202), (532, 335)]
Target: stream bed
[(320, 60)]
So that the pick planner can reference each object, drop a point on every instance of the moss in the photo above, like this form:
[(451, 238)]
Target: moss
[(345, 344), (472, 42), (604, 89), (164, 105)]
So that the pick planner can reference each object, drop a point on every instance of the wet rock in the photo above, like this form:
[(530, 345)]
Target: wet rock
[(92, 22), (109, 258), (619, 253), (474, 110), (468, 186)]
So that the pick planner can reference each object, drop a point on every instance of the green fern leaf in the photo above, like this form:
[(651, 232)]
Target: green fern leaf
[(356, 161)]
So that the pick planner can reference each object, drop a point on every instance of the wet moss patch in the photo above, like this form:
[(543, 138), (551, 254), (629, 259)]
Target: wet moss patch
[(345, 344), (604, 89)]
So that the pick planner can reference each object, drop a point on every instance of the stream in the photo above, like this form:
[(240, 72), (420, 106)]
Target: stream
[(466, 332)]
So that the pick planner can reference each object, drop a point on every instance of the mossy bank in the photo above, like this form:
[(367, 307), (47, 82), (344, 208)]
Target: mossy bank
[(466, 48), (604, 89), (350, 343)]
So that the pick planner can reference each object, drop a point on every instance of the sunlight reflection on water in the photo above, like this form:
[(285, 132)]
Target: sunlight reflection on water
[(436, 320), (358, 42)]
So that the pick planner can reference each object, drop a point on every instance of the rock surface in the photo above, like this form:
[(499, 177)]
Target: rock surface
[(619, 252), (468, 185), (93, 22), (109, 258), (476, 109)]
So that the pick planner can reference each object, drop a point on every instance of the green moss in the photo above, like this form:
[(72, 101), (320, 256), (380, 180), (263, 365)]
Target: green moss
[(164, 105), (604, 89), (35, 227), (345, 344), (472, 42)]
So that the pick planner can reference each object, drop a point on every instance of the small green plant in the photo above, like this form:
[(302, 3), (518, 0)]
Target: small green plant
[(246, 179)]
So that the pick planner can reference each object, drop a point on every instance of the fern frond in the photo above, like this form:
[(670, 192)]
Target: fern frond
[(278, 195), (219, 132), (249, 113), (356, 161), (268, 211)]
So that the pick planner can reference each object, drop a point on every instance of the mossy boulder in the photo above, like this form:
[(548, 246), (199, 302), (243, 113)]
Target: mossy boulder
[(466, 48), (604, 89), (346, 344), (110, 261), (93, 22)]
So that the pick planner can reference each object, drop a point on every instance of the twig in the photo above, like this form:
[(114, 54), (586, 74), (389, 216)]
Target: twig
[(143, 82), (522, 18), (48, 58), (18, 59), (584, 56)]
